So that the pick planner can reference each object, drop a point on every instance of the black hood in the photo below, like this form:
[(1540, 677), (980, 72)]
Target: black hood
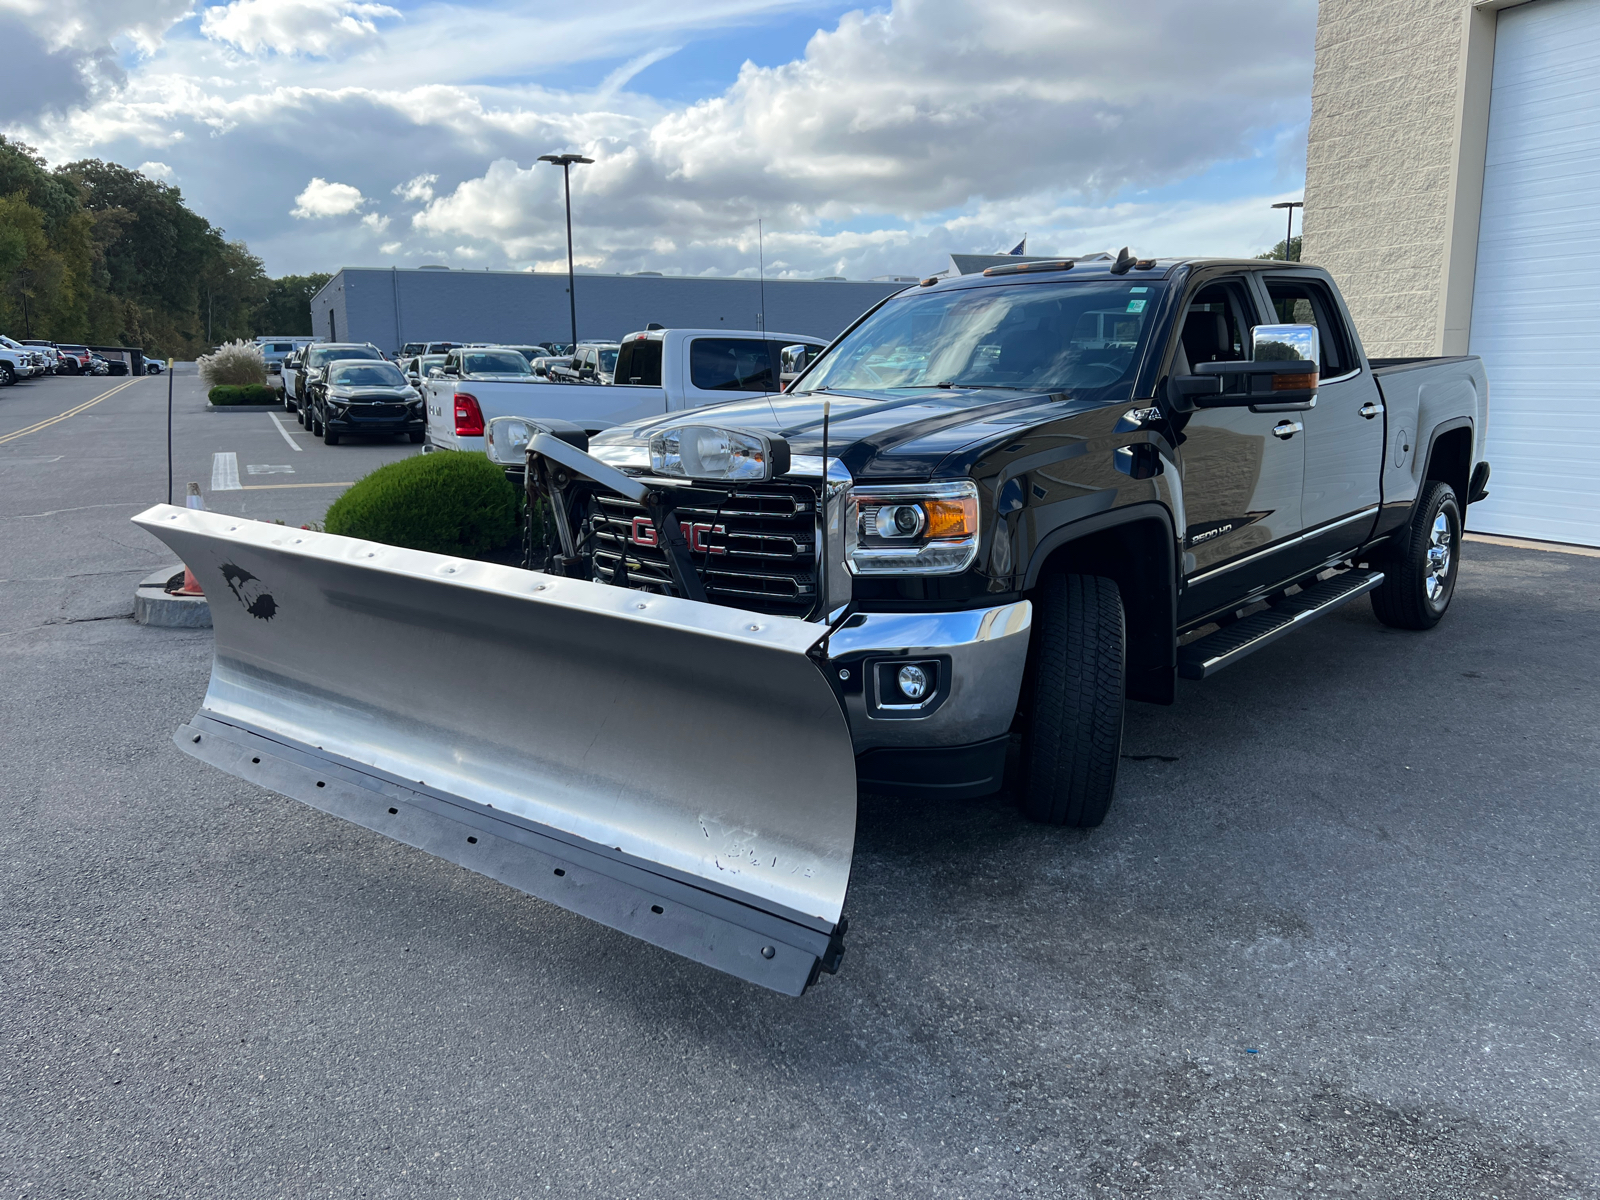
[(372, 393), (883, 434)]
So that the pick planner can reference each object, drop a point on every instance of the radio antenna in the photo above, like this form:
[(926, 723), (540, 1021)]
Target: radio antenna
[(761, 274)]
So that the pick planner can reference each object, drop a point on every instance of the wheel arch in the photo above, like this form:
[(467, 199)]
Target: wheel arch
[(1137, 547), (1450, 459)]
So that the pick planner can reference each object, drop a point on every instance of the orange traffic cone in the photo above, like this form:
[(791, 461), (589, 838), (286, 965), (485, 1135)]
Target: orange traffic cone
[(190, 585)]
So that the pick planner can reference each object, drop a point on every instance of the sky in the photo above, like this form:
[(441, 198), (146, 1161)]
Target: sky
[(729, 136)]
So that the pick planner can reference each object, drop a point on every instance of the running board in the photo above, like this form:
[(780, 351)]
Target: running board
[(1227, 646)]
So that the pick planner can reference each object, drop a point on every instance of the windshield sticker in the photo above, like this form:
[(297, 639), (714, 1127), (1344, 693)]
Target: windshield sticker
[(1136, 305), (1138, 291)]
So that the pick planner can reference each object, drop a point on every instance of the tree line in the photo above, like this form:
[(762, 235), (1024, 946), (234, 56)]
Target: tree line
[(94, 253)]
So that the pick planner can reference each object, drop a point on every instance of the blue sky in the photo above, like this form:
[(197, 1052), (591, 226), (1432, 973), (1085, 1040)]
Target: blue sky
[(868, 140)]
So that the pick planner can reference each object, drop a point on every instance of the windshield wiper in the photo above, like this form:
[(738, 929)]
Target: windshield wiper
[(950, 384)]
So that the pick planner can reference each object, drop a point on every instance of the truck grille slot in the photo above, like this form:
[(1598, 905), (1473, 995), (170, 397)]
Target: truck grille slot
[(755, 549)]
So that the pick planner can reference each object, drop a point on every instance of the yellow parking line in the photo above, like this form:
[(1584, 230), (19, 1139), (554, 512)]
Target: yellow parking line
[(269, 487), (71, 412)]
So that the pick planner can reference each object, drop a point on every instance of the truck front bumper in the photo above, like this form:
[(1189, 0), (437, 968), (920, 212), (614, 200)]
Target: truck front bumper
[(951, 740)]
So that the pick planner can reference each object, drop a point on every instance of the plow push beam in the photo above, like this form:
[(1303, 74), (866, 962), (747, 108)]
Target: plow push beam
[(681, 772)]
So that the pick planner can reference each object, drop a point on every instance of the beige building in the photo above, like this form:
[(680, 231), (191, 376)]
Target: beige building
[(1452, 175)]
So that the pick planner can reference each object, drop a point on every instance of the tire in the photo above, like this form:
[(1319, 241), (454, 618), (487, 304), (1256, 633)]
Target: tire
[(1420, 574), (8, 375), (316, 426), (300, 416), (329, 437), (1073, 741), (416, 438), (288, 404)]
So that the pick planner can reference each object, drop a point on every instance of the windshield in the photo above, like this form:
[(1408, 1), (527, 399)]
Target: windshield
[(493, 362), (1038, 337), (363, 375), (321, 356)]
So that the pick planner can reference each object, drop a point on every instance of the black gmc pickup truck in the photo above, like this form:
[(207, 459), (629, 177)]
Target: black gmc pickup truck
[(1049, 488)]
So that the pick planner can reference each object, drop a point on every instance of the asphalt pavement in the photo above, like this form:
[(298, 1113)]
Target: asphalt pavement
[(1338, 935)]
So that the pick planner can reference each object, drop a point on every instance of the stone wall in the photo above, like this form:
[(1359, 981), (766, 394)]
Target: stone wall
[(1382, 160)]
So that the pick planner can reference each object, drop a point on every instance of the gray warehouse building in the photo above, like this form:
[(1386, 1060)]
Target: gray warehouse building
[(391, 306), (1451, 176)]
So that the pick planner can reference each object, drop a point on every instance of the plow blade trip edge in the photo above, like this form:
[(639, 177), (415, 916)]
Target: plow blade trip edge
[(682, 772)]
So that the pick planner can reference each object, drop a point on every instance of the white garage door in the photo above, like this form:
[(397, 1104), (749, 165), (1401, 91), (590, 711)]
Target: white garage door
[(1536, 303)]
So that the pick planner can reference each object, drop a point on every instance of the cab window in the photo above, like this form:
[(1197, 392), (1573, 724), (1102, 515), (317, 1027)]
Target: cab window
[(1306, 302)]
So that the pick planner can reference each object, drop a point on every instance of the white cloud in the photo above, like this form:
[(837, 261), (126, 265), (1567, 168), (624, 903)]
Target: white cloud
[(156, 170), (418, 188), (324, 199), (898, 135), (321, 27)]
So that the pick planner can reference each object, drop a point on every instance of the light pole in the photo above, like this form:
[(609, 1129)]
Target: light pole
[(565, 161), (1288, 237)]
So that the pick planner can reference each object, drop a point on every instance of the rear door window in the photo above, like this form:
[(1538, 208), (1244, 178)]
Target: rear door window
[(639, 362), (1307, 302)]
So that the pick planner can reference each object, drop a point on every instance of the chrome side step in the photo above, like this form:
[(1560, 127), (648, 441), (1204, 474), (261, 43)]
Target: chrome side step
[(1227, 646)]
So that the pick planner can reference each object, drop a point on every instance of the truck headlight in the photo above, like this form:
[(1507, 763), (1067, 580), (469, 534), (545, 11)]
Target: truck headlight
[(713, 453), (912, 528), (508, 439)]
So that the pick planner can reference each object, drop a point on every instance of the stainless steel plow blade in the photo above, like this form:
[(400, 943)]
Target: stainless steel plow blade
[(679, 771)]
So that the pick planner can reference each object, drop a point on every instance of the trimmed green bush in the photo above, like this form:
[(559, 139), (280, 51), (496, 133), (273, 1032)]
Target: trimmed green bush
[(242, 393), (451, 502)]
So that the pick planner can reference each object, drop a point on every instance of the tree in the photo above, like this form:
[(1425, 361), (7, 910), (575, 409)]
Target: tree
[(1277, 251), (287, 307)]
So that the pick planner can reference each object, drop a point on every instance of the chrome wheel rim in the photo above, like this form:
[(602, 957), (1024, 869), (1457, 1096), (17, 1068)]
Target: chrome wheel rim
[(1440, 559)]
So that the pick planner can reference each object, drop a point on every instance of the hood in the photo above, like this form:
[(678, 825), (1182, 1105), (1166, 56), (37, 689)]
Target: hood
[(879, 435), (396, 392)]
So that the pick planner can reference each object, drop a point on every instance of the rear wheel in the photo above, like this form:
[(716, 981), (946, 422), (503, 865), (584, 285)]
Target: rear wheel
[(1073, 742), (1420, 575)]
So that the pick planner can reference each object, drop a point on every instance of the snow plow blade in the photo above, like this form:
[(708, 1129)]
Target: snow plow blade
[(681, 772)]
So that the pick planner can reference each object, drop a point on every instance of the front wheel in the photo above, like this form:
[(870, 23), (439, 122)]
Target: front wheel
[(1073, 742), (8, 376), (1420, 575), (416, 438), (329, 437)]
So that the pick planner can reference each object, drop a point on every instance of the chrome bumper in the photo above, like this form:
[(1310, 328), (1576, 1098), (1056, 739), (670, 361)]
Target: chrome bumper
[(978, 655)]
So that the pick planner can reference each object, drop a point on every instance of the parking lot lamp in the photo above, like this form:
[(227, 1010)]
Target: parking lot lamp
[(565, 161), (1288, 237)]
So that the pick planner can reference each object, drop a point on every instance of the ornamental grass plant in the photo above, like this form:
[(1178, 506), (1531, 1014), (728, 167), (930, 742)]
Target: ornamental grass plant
[(237, 363)]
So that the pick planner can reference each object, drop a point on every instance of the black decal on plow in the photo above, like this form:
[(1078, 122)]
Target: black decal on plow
[(249, 592)]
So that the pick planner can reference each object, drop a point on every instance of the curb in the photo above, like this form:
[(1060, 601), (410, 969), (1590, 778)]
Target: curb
[(210, 407), (152, 605)]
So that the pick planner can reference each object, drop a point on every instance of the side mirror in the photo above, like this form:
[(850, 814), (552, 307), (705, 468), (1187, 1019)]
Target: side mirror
[(435, 372), (792, 360), (1282, 377), (453, 372)]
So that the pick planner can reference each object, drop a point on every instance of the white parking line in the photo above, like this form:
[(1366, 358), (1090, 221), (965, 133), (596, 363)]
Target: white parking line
[(225, 471), (269, 469), (293, 445)]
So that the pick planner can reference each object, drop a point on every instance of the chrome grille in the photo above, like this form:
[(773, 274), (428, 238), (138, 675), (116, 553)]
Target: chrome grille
[(755, 548)]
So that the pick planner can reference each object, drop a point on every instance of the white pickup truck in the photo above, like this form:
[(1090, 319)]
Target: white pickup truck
[(658, 371)]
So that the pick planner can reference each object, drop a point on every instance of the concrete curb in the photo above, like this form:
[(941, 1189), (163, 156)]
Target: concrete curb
[(152, 605), (210, 407)]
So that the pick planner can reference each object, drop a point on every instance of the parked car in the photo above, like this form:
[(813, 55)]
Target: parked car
[(358, 396), (440, 347), (153, 366), (17, 362), (418, 368), (543, 365), (312, 361), (531, 352), (666, 370), (411, 350), (592, 362), (973, 516), (47, 350), (275, 350), (75, 359)]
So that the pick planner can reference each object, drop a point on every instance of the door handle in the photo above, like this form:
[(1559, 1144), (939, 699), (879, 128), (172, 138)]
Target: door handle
[(1370, 410), (1286, 429)]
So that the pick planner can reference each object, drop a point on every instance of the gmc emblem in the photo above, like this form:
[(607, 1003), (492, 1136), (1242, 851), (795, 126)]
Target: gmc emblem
[(695, 533)]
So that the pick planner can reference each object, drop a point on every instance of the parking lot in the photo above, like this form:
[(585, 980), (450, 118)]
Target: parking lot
[(1338, 935)]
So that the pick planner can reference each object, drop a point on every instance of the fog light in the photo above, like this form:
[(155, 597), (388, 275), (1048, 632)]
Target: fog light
[(913, 682)]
